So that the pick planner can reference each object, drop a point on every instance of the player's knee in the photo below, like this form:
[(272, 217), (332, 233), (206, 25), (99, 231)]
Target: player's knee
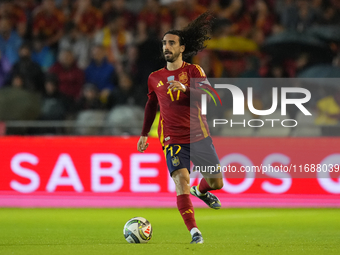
[(181, 179), (179, 182), (182, 186)]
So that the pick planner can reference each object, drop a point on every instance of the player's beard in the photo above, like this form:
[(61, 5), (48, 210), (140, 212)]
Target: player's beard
[(171, 58)]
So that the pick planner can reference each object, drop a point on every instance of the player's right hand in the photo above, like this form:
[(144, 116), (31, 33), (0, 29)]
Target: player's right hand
[(142, 145)]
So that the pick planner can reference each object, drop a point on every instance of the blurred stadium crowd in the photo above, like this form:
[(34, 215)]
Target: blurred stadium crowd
[(59, 58)]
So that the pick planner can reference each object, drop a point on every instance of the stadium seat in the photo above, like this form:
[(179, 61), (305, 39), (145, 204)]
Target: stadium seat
[(247, 131), (237, 130), (307, 131), (304, 120), (306, 125), (278, 130), (124, 120), (90, 122)]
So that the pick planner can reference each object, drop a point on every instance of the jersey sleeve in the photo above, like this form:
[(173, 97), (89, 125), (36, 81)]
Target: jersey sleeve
[(150, 110), (198, 72), (193, 91)]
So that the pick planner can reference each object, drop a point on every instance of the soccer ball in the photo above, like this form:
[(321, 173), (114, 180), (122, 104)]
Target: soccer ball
[(137, 230)]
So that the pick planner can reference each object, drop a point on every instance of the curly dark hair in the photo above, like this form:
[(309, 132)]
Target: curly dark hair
[(194, 35)]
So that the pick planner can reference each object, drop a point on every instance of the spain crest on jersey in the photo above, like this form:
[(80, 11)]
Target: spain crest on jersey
[(183, 77), (175, 161)]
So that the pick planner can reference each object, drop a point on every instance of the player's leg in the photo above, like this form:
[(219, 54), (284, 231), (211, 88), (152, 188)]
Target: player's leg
[(201, 191), (210, 182), (181, 178), (178, 161), (204, 155)]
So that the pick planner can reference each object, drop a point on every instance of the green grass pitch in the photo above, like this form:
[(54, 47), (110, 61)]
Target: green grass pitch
[(226, 231)]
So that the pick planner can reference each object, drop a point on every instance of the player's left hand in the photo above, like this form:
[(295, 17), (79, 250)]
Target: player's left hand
[(176, 85)]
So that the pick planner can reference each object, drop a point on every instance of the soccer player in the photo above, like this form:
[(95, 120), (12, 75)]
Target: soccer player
[(183, 130)]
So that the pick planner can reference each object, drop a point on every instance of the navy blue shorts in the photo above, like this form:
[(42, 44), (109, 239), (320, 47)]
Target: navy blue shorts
[(201, 153)]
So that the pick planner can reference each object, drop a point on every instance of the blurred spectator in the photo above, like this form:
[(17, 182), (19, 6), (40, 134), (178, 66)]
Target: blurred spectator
[(10, 41), (17, 16), (97, 3), (318, 5), (71, 78), (263, 16), (48, 22), (210, 63), (181, 22), (17, 81), (252, 68), (87, 18), (5, 68), (54, 103), (153, 15), (299, 16), (302, 62), (126, 93), (141, 32), (164, 27), (65, 6), (190, 9), (100, 72), (77, 43), (42, 54), (90, 98), (329, 14), (16, 103), (150, 58), (29, 70), (26, 5), (221, 28), (251, 4), (328, 110), (129, 66), (235, 11), (118, 7), (119, 57), (335, 4), (115, 38), (205, 3), (257, 36), (276, 70)]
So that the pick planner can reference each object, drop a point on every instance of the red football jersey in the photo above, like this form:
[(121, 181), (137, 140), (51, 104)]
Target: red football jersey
[(180, 122)]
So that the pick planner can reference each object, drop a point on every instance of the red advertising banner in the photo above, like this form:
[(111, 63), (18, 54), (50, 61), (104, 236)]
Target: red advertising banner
[(110, 172)]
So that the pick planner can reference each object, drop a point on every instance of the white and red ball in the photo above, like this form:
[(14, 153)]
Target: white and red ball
[(137, 230)]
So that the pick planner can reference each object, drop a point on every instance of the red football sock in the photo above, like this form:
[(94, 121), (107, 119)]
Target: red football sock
[(204, 187), (186, 210)]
